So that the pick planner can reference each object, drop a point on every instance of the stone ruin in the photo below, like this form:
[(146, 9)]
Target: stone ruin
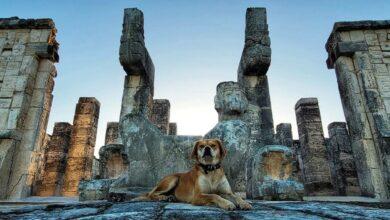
[(360, 54), (143, 146), (146, 140), (28, 51)]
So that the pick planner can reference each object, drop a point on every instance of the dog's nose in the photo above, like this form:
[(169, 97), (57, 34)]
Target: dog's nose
[(207, 151)]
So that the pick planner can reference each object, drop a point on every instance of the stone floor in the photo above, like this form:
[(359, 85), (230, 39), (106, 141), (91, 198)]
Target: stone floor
[(157, 210)]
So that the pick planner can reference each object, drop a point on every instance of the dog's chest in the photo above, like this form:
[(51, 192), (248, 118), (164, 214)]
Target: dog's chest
[(208, 184)]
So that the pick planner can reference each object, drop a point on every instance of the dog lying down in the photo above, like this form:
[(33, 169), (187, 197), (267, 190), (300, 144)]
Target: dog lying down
[(204, 184)]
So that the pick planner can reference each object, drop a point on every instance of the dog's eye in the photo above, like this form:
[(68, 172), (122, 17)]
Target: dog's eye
[(201, 146), (213, 145)]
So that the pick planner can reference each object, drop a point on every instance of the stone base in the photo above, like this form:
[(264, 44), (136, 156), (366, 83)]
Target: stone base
[(281, 190), (161, 210)]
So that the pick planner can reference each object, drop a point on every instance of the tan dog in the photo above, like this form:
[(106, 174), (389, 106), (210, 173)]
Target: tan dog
[(204, 184)]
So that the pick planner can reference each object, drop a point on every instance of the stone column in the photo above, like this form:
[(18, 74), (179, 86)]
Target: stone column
[(172, 129), (112, 132), (284, 134), (316, 171), (55, 160), (160, 114), (82, 144), (254, 64), (134, 57), (343, 169), (360, 53), (28, 51)]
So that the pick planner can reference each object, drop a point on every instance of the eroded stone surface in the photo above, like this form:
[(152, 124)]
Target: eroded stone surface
[(160, 114), (148, 150), (112, 132), (160, 210), (269, 174), (172, 128)]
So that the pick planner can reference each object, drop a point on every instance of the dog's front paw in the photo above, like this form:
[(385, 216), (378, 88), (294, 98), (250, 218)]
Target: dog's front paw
[(244, 205), (227, 205)]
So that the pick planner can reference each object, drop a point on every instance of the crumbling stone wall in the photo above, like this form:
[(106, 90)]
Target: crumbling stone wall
[(112, 133), (28, 51), (95, 168), (298, 169), (55, 160), (160, 114), (172, 128), (342, 164), (80, 155), (284, 137), (283, 134), (316, 171), (360, 53)]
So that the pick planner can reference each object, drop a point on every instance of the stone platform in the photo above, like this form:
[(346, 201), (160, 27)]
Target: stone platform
[(159, 210)]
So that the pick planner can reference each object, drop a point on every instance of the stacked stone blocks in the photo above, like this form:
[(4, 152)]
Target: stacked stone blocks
[(55, 160), (28, 50), (343, 169), (360, 53), (316, 171), (80, 155), (160, 114)]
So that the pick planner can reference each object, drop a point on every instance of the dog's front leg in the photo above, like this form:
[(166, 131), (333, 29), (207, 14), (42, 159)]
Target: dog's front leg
[(227, 193), (213, 199), (242, 204)]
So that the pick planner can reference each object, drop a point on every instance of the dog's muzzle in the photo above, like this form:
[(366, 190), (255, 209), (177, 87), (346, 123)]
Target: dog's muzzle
[(207, 152)]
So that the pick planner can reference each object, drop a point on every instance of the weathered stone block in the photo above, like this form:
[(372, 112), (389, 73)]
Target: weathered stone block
[(160, 114), (94, 189), (113, 161), (269, 175), (172, 129), (256, 56), (112, 133), (284, 134), (133, 54)]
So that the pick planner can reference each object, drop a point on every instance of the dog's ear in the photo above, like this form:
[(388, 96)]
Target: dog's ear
[(194, 153), (222, 149)]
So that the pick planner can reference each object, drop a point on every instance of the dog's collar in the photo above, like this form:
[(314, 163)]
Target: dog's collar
[(210, 167)]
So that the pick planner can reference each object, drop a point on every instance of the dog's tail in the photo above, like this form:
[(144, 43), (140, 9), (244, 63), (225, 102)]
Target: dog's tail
[(142, 198)]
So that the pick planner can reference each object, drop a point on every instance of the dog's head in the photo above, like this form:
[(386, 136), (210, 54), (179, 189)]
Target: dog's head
[(208, 151)]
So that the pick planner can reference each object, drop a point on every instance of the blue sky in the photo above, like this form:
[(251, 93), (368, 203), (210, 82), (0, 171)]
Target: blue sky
[(194, 45)]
